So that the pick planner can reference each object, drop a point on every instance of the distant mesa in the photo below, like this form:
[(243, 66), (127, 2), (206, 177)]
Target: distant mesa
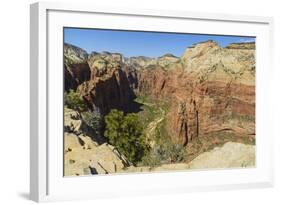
[(208, 43), (242, 45), (74, 54), (168, 55)]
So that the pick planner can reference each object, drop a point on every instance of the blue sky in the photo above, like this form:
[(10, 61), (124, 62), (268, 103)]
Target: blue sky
[(135, 43)]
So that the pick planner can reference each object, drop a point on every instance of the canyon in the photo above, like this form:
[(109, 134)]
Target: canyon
[(209, 93)]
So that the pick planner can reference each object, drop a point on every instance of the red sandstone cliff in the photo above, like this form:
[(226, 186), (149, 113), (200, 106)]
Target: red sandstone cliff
[(212, 89)]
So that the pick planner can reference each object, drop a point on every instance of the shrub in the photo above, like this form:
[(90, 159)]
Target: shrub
[(152, 159), (93, 119), (174, 153), (165, 153), (126, 134), (73, 101)]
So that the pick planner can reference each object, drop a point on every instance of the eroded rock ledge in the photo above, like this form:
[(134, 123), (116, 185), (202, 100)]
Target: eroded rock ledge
[(85, 155)]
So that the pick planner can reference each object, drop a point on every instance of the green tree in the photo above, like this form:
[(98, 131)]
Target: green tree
[(73, 101), (126, 134), (113, 124)]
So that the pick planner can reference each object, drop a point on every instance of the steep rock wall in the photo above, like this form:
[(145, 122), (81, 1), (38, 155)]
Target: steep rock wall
[(210, 90)]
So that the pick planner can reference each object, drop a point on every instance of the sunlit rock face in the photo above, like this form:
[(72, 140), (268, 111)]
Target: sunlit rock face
[(76, 68), (211, 89), (85, 155)]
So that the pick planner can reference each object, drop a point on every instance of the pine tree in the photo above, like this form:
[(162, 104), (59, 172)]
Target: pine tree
[(126, 134)]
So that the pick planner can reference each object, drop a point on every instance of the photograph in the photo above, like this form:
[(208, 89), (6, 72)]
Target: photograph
[(149, 101)]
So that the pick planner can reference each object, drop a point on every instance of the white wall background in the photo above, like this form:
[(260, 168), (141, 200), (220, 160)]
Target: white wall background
[(14, 101)]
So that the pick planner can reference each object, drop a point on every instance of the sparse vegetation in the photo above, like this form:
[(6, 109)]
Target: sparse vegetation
[(150, 111), (94, 120), (164, 153), (73, 101), (239, 117)]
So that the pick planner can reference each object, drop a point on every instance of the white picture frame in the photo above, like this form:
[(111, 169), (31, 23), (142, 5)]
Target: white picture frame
[(46, 179)]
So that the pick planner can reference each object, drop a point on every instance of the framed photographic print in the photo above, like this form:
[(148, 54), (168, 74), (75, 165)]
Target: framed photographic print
[(127, 102)]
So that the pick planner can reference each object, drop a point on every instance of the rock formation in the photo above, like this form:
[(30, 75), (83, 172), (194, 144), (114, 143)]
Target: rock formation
[(210, 88), (250, 45), (74, 54), (140, 62), (76, 68), (108, 86), (167, 60), (230, 155), (84, 155), (99, 78)]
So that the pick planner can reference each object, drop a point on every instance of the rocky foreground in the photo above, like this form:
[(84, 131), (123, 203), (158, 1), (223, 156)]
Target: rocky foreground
[(230, 155), (86, 156), (210, 91)]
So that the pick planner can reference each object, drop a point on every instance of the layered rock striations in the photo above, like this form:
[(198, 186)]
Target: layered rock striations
[(85, 155), (108, 86), (76, 68), (249, 45), (100, 80), (142, 62), (210, 88)]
